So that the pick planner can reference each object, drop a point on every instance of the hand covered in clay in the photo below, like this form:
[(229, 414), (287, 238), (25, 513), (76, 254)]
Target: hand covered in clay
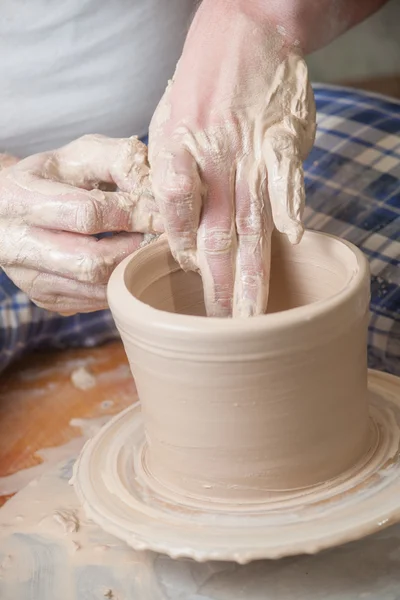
[(226, 147), (52, 204)]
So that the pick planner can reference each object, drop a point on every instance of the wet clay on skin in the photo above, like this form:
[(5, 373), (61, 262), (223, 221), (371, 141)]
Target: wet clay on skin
[(236, 410)]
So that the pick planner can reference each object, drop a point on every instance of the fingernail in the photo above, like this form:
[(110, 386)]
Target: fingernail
[(244, 308), (187, 260), (295, 233)]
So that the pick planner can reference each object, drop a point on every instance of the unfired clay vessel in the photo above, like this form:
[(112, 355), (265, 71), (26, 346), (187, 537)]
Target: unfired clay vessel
[(255, 438), (235, 410)]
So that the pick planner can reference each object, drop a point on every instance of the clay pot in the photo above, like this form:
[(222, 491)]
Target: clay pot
[(237, 409)]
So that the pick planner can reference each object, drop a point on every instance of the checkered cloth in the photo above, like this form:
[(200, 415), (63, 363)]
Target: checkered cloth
[(353, 191)]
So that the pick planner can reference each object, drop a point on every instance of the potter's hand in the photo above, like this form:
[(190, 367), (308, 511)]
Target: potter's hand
[(227, 143), (51, 205), (7, 160)]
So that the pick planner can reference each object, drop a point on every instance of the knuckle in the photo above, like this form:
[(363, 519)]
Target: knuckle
[(93, 269), (283, 142), (167, 196), (78, 145), (38, 296), (251, 218), (136, 147), (175, 176), (246, 225), (87, 217), (217, 241), (37, 290), (45, 300), (180, 186)]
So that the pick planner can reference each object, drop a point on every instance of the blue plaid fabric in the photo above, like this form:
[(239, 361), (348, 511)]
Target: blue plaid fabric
[(353, 191)]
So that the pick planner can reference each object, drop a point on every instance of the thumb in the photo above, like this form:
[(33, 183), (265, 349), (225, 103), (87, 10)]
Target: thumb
[(94, 159)]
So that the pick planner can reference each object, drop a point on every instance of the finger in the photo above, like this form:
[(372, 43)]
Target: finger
[(254, 230), (216, 243), (71, 306), (94, 159), (56, 293), (302, 105), (178, 192), (76, 257), (53, 205), (285, 181), (298, 73), (47, 188)]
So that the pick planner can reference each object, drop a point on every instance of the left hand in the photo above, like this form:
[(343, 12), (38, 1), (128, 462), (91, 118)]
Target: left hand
[(226, 147), (54, 204)]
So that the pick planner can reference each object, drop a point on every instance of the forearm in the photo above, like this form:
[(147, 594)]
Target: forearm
[(316, 23), (309, 24)]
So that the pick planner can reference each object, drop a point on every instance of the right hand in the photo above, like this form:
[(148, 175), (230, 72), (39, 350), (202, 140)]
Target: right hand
[(226, 147), (51, 205)]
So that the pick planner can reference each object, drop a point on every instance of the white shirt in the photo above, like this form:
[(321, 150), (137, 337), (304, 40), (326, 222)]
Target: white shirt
[(70, 67)]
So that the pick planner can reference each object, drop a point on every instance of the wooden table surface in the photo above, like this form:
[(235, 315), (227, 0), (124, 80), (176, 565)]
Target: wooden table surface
[(38, 399)]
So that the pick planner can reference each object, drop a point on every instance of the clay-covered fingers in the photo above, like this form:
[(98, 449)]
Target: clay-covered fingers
[(254, 229), (283, 160), (216, 241), (80, 258), (58, 294), (286, 144), (57, 191), (302, 106), (178, 191), (52, 204), (32, 200), (95, 159)]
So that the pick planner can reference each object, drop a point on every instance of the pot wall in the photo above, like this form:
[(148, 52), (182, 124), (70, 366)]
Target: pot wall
[(235, 409)]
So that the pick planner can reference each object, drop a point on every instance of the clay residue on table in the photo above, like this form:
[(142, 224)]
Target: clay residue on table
[(39, 560)]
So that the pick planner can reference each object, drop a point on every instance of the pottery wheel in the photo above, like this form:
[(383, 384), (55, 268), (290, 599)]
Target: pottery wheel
[(119, 494), (49, 550)]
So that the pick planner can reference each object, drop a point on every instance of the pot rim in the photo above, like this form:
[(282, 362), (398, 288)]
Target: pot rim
[(126, 307)]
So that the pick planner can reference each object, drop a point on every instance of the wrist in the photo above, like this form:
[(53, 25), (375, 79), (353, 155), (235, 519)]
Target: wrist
[(280, 15), (307, 24)]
